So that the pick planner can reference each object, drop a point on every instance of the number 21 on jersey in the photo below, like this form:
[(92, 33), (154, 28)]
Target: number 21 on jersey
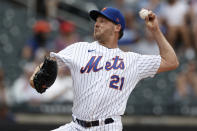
[(116, 82)]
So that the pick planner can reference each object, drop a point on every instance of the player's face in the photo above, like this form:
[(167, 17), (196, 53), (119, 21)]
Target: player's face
[(103, 28)]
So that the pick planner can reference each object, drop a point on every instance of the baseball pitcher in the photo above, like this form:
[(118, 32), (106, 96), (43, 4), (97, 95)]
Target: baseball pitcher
[(103, 75)]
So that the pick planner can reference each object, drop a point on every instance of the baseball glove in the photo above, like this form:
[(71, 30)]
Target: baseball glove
[(45, 75)]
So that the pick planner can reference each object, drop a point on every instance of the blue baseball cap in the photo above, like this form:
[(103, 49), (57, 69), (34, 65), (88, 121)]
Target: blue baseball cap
[(110, 13)]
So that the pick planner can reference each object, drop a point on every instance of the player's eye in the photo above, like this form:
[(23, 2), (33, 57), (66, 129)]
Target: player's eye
[(100, 20)]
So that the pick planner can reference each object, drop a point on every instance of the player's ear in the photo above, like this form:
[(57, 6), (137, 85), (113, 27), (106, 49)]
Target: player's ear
[(117, 28)]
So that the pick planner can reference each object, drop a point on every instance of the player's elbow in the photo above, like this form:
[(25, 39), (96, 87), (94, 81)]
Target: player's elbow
[(174, 64), (167, 65)]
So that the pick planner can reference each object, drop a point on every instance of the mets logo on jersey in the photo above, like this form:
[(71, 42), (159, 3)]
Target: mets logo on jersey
[(92, 64), (116, 81)]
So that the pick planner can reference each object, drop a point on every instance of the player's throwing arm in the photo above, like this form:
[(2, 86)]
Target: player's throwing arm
[(169, 60)]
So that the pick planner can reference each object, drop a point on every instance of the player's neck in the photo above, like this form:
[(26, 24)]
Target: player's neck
[(109, 44)]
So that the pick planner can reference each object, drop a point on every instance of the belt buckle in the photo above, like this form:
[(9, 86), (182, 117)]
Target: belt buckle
[(89, 124)]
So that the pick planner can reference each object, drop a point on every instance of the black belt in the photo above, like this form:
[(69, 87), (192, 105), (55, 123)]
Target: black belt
[(87, 124)]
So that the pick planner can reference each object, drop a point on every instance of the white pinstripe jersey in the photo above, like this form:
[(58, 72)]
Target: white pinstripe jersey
[(103, 78)]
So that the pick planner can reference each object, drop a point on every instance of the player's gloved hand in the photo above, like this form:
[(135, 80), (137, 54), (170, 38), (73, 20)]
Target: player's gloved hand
[(44, 75)]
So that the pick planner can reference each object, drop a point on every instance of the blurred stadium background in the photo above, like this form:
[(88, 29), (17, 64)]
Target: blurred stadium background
[(30, 29)]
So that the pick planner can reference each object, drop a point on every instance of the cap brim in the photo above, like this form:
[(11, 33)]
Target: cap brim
[(94, 14)]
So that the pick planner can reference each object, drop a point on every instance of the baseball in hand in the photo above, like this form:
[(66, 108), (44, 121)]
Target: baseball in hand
[(143, 13)]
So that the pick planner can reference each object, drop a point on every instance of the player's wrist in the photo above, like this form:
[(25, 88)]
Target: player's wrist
[(156, 30)]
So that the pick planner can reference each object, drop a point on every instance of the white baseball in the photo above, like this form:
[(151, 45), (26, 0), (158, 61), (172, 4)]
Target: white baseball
[(143, 13)]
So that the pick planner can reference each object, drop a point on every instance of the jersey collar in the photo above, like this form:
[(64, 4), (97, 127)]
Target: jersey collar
[(103, 48)]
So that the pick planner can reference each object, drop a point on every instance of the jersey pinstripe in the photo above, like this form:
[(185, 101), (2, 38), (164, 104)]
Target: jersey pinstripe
[(103, 78)]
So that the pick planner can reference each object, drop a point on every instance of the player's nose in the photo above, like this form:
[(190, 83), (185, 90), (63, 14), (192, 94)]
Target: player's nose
[(96, 25)]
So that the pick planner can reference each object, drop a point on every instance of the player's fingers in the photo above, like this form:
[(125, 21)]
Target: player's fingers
[(151, 16)]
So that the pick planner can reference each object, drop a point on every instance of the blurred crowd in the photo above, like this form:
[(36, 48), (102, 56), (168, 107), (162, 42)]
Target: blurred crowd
[(178, 22)]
